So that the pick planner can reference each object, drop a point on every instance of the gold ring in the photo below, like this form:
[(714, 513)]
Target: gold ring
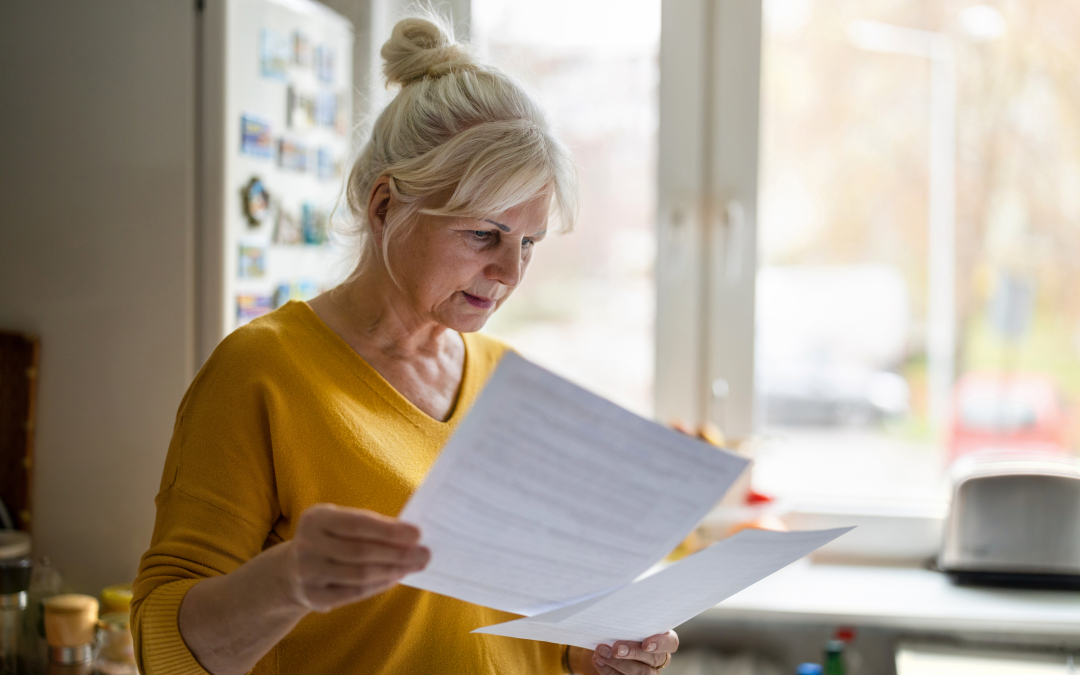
[(666, 661)]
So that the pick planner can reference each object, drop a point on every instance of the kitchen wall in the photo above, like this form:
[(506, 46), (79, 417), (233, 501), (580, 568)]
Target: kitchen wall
[(97, 249), (96, 257)]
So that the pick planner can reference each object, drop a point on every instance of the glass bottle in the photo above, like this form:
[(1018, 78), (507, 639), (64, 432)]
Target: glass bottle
[(45, 582), (15, 568)]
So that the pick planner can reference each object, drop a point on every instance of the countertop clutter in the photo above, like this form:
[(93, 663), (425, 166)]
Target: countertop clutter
[(904, 620), (46, 631)]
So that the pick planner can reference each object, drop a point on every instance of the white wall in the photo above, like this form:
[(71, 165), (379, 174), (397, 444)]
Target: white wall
[(96, 242)]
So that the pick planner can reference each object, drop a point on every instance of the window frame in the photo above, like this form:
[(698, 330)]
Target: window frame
[(707, 189), (707, 197)]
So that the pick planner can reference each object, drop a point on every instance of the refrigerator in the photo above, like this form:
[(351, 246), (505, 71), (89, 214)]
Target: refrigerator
[(275, 125)]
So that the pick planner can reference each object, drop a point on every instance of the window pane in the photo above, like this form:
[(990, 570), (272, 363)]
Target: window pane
[(586, 307), (855, 263)]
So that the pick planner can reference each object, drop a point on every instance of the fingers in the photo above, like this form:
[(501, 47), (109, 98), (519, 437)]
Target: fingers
[(347, 523), (604, 669), (332, 597), (326, 573), (326, 584), (367, 551), (627, 650), (342, 555), (606, 663), (660, 644), (628, 657)]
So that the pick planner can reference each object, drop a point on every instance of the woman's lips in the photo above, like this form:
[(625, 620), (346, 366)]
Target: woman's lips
[(478, 302)]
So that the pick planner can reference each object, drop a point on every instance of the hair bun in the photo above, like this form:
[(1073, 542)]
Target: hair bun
[(422, 47)]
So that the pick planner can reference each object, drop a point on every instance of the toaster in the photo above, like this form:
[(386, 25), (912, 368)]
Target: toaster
[(1015, 522)]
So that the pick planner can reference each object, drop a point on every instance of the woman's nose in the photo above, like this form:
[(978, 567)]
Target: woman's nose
[(507, 269)]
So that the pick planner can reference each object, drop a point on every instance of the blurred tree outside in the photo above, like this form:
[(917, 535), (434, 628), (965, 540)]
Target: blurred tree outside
[(845, 162)]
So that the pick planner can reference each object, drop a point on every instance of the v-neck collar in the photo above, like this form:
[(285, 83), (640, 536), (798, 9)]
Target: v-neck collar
[(375, 381)]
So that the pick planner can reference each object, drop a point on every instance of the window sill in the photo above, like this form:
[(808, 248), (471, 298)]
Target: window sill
[(890, 533), (898, 598)]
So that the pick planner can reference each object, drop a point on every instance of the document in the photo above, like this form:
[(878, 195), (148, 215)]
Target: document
[(658, 603), (549, 501), (547, 495)]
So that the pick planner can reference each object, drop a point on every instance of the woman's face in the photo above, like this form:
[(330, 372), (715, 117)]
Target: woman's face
[(458, 271)]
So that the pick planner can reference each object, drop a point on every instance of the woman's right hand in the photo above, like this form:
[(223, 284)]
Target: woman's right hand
[(343, 555), (337, 556)]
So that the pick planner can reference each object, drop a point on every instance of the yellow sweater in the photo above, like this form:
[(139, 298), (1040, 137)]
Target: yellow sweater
[(282, 416)]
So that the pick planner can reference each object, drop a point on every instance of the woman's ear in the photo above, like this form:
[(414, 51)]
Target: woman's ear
[(378, 205)]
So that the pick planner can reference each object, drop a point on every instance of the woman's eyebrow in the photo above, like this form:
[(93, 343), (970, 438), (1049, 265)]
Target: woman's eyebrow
[(502, 227)]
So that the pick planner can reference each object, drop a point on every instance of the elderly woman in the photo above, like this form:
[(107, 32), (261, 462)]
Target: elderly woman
[(276, 549)]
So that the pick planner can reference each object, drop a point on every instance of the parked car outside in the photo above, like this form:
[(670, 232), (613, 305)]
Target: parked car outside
[(1007, 413)]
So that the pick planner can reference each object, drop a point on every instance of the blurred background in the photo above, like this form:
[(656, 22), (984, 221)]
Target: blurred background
[(841, 237), (844, 280)]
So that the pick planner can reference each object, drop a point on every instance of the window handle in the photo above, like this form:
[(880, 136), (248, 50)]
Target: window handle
[(735, 228)]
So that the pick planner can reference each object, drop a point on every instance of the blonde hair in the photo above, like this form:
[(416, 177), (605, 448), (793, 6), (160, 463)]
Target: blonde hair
[(456, 126)]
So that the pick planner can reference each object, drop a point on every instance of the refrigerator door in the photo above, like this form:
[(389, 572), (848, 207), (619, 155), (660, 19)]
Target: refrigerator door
[(276, 83)]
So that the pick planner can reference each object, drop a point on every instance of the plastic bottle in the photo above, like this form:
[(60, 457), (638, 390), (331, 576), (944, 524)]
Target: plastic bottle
[(809, 669), (853, 660), (834, 658)]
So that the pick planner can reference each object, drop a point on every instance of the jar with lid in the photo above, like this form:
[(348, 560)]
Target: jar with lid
[(71, 628), (15, 569)]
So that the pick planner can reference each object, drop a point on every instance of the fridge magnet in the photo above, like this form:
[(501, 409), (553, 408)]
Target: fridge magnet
[(256, 200), (301, 49), (252, 262), (300, 109), (255, 138), (326, 109), (308, 288), (274, 54), (292, 155), (324, 62), (250, 306), (313, 223), (326, 167), (283, 294), (287, 230), (303, 288)]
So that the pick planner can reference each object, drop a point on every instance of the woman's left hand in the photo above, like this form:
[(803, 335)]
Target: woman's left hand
[(626, 657)]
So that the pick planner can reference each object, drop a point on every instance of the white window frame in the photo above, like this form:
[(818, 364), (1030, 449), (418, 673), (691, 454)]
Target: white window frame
[(710, 93), (710, 72)]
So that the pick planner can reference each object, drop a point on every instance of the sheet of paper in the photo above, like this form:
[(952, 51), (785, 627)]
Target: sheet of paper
[(547, 494), (660, 602)]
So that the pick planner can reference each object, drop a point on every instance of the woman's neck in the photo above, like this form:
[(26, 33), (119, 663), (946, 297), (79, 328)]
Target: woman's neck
[(372, 314), (418, 357)]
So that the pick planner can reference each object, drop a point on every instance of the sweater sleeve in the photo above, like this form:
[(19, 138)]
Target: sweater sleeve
[(217, 504)]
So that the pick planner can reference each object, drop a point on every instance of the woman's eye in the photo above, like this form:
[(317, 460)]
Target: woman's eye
[(482, 235), (527, 243)]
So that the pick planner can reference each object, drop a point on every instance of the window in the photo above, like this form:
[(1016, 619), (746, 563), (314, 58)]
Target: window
[(867, 234), (918, 290), (885, 225), (586, 307)]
